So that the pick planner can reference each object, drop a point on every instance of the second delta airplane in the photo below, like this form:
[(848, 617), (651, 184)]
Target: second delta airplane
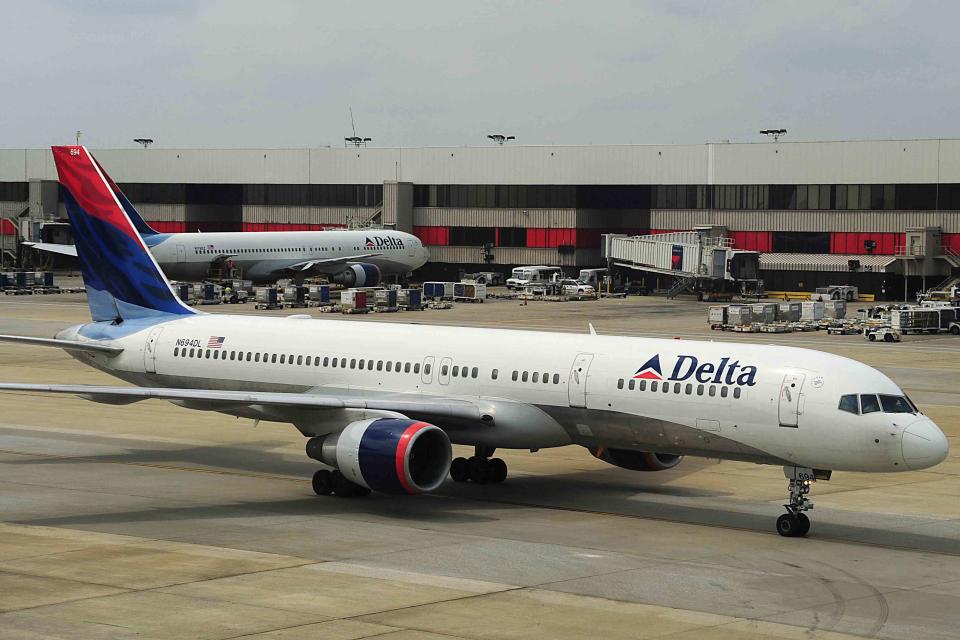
[(382, 403), (352, 258)]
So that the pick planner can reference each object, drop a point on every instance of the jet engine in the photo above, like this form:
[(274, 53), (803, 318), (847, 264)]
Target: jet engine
[(362, 274), (390, 455), (636, 460)]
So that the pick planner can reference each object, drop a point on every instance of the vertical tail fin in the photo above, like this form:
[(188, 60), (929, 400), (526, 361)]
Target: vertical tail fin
[(123, 280), (143, 228)]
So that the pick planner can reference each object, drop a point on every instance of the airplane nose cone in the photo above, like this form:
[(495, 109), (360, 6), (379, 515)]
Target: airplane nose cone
[(924, 445)]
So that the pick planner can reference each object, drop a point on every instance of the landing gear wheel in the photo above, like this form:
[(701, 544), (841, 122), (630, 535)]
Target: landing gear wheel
[(459, 470), (804, 522), (478, 469), (795, 523), (788, 525), (496, 470), (344, 488), (322, 482)]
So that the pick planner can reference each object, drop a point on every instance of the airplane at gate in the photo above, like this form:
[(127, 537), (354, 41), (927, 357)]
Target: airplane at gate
[(353, 258), (383, 403)]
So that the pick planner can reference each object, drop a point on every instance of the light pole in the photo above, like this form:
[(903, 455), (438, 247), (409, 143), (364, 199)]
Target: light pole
[(774, 133), (146, 142), (499, 138), (79, 133)]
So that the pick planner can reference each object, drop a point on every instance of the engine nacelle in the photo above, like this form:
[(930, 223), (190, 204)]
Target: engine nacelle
[(636, 460), (363, 274), (390, 455)]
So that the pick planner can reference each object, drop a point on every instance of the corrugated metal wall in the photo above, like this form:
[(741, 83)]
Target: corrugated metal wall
[(886, 221), (516, 255), (272, 214), (11, 207), (476, 217)]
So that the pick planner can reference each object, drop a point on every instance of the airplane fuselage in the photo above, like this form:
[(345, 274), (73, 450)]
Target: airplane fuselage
[(766, 404)]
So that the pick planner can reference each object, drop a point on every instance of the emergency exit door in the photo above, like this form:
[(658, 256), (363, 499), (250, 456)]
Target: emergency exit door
[(791, 392), (150, 350), (577, 383)]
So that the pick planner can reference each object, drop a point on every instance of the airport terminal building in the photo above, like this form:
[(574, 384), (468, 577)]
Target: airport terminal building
[(820, 212)]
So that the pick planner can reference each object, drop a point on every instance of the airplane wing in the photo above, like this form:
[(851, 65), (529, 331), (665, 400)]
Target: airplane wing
[(327, 262), (214, 400), (62, 249), (69, 345)]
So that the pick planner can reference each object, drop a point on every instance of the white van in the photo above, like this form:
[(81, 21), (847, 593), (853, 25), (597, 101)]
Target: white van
[(592, 277), (523, 276)]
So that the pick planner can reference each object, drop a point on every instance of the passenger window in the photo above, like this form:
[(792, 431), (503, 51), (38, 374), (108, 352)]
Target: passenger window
[(353, 363), (556, 378), (523, 378), (208, 354), (299, 360), (474, 372), (514, 376), (643, 385), (233, 354), (216, 355), (283, 358), (869, 403), (406, 367), (536, 376), (632, 384), (257, 358), (653, 385), (416, 367), (308, 360), (316, 361), (379, 365), (370, 365), (689, 389), (676, 387), (723, 392), (343, 363), (176, 351), (666, 387), (736, 392), (895, 404), (396, 367), (546, 378), (333, 363), (848, 403), (494, 373), (456, 370), (290, 359), (699, 389), (361, 363), (443, 370), (713, 391), (426, 368), (273, 358), (326, 361), (389, 365)]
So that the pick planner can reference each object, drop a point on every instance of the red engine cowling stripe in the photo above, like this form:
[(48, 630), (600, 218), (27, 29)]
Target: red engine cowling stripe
[(405, 439)]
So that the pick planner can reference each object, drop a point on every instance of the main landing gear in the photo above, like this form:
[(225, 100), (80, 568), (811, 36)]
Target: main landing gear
[(327, 483), (795, 523), (479, 468)]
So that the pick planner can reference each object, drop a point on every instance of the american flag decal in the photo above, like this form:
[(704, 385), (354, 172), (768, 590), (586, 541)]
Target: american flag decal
[(215, 342)]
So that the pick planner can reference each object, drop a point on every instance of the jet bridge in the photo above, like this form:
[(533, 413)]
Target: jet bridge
[(702, 261)]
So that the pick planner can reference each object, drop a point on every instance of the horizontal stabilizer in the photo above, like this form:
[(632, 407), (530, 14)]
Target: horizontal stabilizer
[(69, 345), (61, 249)]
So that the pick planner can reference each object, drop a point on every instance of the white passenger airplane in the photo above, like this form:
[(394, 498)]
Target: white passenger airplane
[(351, 258), (383, 402)]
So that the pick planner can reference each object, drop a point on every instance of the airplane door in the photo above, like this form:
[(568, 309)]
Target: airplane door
[(444, 376), (426, 371), (150, 350), (181, 253), (791, 399), (577, 383)]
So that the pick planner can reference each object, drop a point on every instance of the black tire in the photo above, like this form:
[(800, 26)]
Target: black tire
[(459, 470), (872, 337), (955, 330), (788, 525), (888, 337), (322, 482), (496, 470), (849, 296), (478, 470), (804, 523)]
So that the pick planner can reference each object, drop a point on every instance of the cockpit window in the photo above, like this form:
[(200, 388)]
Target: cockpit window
[(849, 404), (895, 404), (869, 403)]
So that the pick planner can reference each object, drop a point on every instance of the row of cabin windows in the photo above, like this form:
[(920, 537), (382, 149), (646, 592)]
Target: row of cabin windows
[(300, 360), (202, 250), (536, 376), (459, 372), (688, 388)]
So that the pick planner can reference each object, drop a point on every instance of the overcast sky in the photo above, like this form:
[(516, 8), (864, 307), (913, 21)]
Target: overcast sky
[(284, 74)]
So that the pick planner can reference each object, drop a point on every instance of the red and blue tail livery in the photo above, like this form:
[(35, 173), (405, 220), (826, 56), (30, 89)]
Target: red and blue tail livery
[(123, 280), (650, 370)]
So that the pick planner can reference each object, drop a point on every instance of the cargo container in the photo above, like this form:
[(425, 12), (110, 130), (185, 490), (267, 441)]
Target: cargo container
[(183, 291), (740, 314), (811, 310), (765, 312), (717, 316), (438, 290), (295, 295), (386, 298), (410, 299), (267, 298), (8, 279), (25, 279), (836, 309), (319, 293), (353, 300), (469, 291), (788, 312), (915, 320)]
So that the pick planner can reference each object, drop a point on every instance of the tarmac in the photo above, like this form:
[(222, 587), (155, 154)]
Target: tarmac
[(154, 521)]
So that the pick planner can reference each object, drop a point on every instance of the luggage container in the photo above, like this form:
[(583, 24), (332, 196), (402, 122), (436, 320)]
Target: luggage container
[(25, 279), (43, 278), (836, 309), (267, 298), (717, 316), (295, 295), (183, 291), (353, 301), (740, 314), (319, 293), (437, 290), (469, 291), (811, 311), (8, 279), (765, 312), (386, 299), (915, 320), (410, 299), (788, 312)]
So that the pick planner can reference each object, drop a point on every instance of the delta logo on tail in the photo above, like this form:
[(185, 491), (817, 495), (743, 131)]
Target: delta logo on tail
[(688, 366), (650, 370)]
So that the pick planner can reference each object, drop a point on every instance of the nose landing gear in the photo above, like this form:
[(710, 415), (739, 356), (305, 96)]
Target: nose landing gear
[(795, 523)]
